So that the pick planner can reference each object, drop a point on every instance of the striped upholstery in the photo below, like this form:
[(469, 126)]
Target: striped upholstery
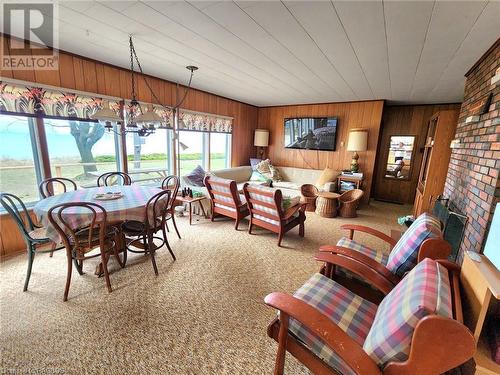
[(403, 256), (425, 290), (351, 313), (225, 189), (294, 201), (379, 256)]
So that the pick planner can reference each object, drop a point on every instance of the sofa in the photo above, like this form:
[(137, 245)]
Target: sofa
[(292, 179)]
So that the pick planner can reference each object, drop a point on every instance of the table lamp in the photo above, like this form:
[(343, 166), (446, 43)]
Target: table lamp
[(358, 141), (261, 140)]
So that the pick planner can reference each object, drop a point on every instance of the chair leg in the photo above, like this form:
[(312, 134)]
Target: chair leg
[(236, 224), (175, 226), (31, 257), (250, 227), (301, 228), (166, 226), (280, 237), (104, 262), (52, 248), (151, 249), (78, 265), (120, 245), (68, 276), (168, 245)]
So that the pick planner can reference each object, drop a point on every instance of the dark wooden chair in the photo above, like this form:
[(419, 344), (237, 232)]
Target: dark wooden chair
[(266, 211), (225, 199), (171, 183), (437, 342), (142, 234), (114, 178), (34, 236), (349, 202), (82, 239), (46, 187)]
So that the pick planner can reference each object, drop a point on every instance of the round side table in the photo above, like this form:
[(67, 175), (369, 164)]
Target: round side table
[(326, 204)]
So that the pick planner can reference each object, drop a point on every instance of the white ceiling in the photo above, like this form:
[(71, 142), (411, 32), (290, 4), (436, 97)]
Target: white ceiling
[(272, 52)]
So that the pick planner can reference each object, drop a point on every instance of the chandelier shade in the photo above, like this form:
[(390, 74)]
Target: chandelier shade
[(105, 115)]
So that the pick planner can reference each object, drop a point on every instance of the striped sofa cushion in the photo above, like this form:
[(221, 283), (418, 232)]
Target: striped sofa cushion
[(224, 189), (425, 290), (286, 203), (379, 256), (353, 314), (403, 256)]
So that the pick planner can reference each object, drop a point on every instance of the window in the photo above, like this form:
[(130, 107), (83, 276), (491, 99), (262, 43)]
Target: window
[(220, 151), (192, 151), (19, 163), (149, 158), (81, 150)]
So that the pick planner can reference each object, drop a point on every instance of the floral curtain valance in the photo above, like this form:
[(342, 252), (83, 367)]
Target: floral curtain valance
[(40, 101), (204, 122)]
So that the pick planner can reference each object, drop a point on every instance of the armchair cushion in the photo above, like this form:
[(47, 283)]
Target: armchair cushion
[(424, 291), (379, 256), (353, 314), (403, 256)]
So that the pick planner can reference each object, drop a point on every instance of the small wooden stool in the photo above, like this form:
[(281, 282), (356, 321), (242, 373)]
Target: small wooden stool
[(326, 204)]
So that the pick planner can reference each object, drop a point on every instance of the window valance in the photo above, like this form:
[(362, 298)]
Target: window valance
[(204, 122), (39, 101)]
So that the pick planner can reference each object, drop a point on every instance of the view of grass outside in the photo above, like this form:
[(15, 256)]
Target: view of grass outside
[(148, 159)]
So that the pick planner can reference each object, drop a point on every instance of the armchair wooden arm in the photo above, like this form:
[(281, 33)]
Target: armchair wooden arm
[(348, 349), (292, 210), (434, 248), (361, 228), (379, 280)]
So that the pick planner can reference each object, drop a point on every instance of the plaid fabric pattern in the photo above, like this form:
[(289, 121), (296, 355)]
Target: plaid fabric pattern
[(403, 256), (270, 200), (132, 206), (424, 291), (224, 189), (379, 256), (353, 314)]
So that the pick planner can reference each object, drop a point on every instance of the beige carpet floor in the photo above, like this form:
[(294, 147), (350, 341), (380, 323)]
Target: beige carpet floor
[(204, 313)]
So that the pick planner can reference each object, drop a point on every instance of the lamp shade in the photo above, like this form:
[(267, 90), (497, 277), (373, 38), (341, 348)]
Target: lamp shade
[(147, 118), (358, 140), (261, 138), (104, 115)]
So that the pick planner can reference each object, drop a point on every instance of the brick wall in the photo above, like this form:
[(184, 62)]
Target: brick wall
[(472, 182)]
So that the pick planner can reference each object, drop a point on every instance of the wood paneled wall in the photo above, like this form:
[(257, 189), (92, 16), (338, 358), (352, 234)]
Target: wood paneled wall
[(83, 74), (408, 120), (367, 115)]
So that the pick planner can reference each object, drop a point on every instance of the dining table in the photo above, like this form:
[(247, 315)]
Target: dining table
[(130, 205)]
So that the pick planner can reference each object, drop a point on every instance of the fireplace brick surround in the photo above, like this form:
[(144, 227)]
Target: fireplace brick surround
[(472, 183)]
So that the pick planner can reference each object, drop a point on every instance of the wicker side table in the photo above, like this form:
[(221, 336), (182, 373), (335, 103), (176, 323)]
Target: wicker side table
[(326, 204), (309, 194)]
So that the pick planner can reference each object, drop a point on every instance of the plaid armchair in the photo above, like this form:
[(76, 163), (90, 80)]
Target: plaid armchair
[(361, 265), (416, 329)]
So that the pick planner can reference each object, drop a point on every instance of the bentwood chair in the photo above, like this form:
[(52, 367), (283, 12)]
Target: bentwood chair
[(34, 236), (49, 186), (172, 184), (416, 329), (114, 178), (225, 199), (142, 234), (267, 211), (80, 240)]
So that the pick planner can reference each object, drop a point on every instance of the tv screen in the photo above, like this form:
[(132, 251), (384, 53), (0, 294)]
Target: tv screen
[(311, 133)]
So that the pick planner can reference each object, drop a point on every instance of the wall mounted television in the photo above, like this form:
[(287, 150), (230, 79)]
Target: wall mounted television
[(311, 133)]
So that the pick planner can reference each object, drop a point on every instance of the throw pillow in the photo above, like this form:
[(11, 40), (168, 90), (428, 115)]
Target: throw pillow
[(263, 166), (196, 176), (275, 173), (328, 175), (254, 162), (257, 176)]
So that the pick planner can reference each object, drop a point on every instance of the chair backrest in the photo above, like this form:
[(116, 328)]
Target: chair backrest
[(425, 290), (157, 207), (171, 183), (81, 234), (404, 254), (18, 211), (113, 178), (352, 195), (49, 186), (264, 203), (223, 192)]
